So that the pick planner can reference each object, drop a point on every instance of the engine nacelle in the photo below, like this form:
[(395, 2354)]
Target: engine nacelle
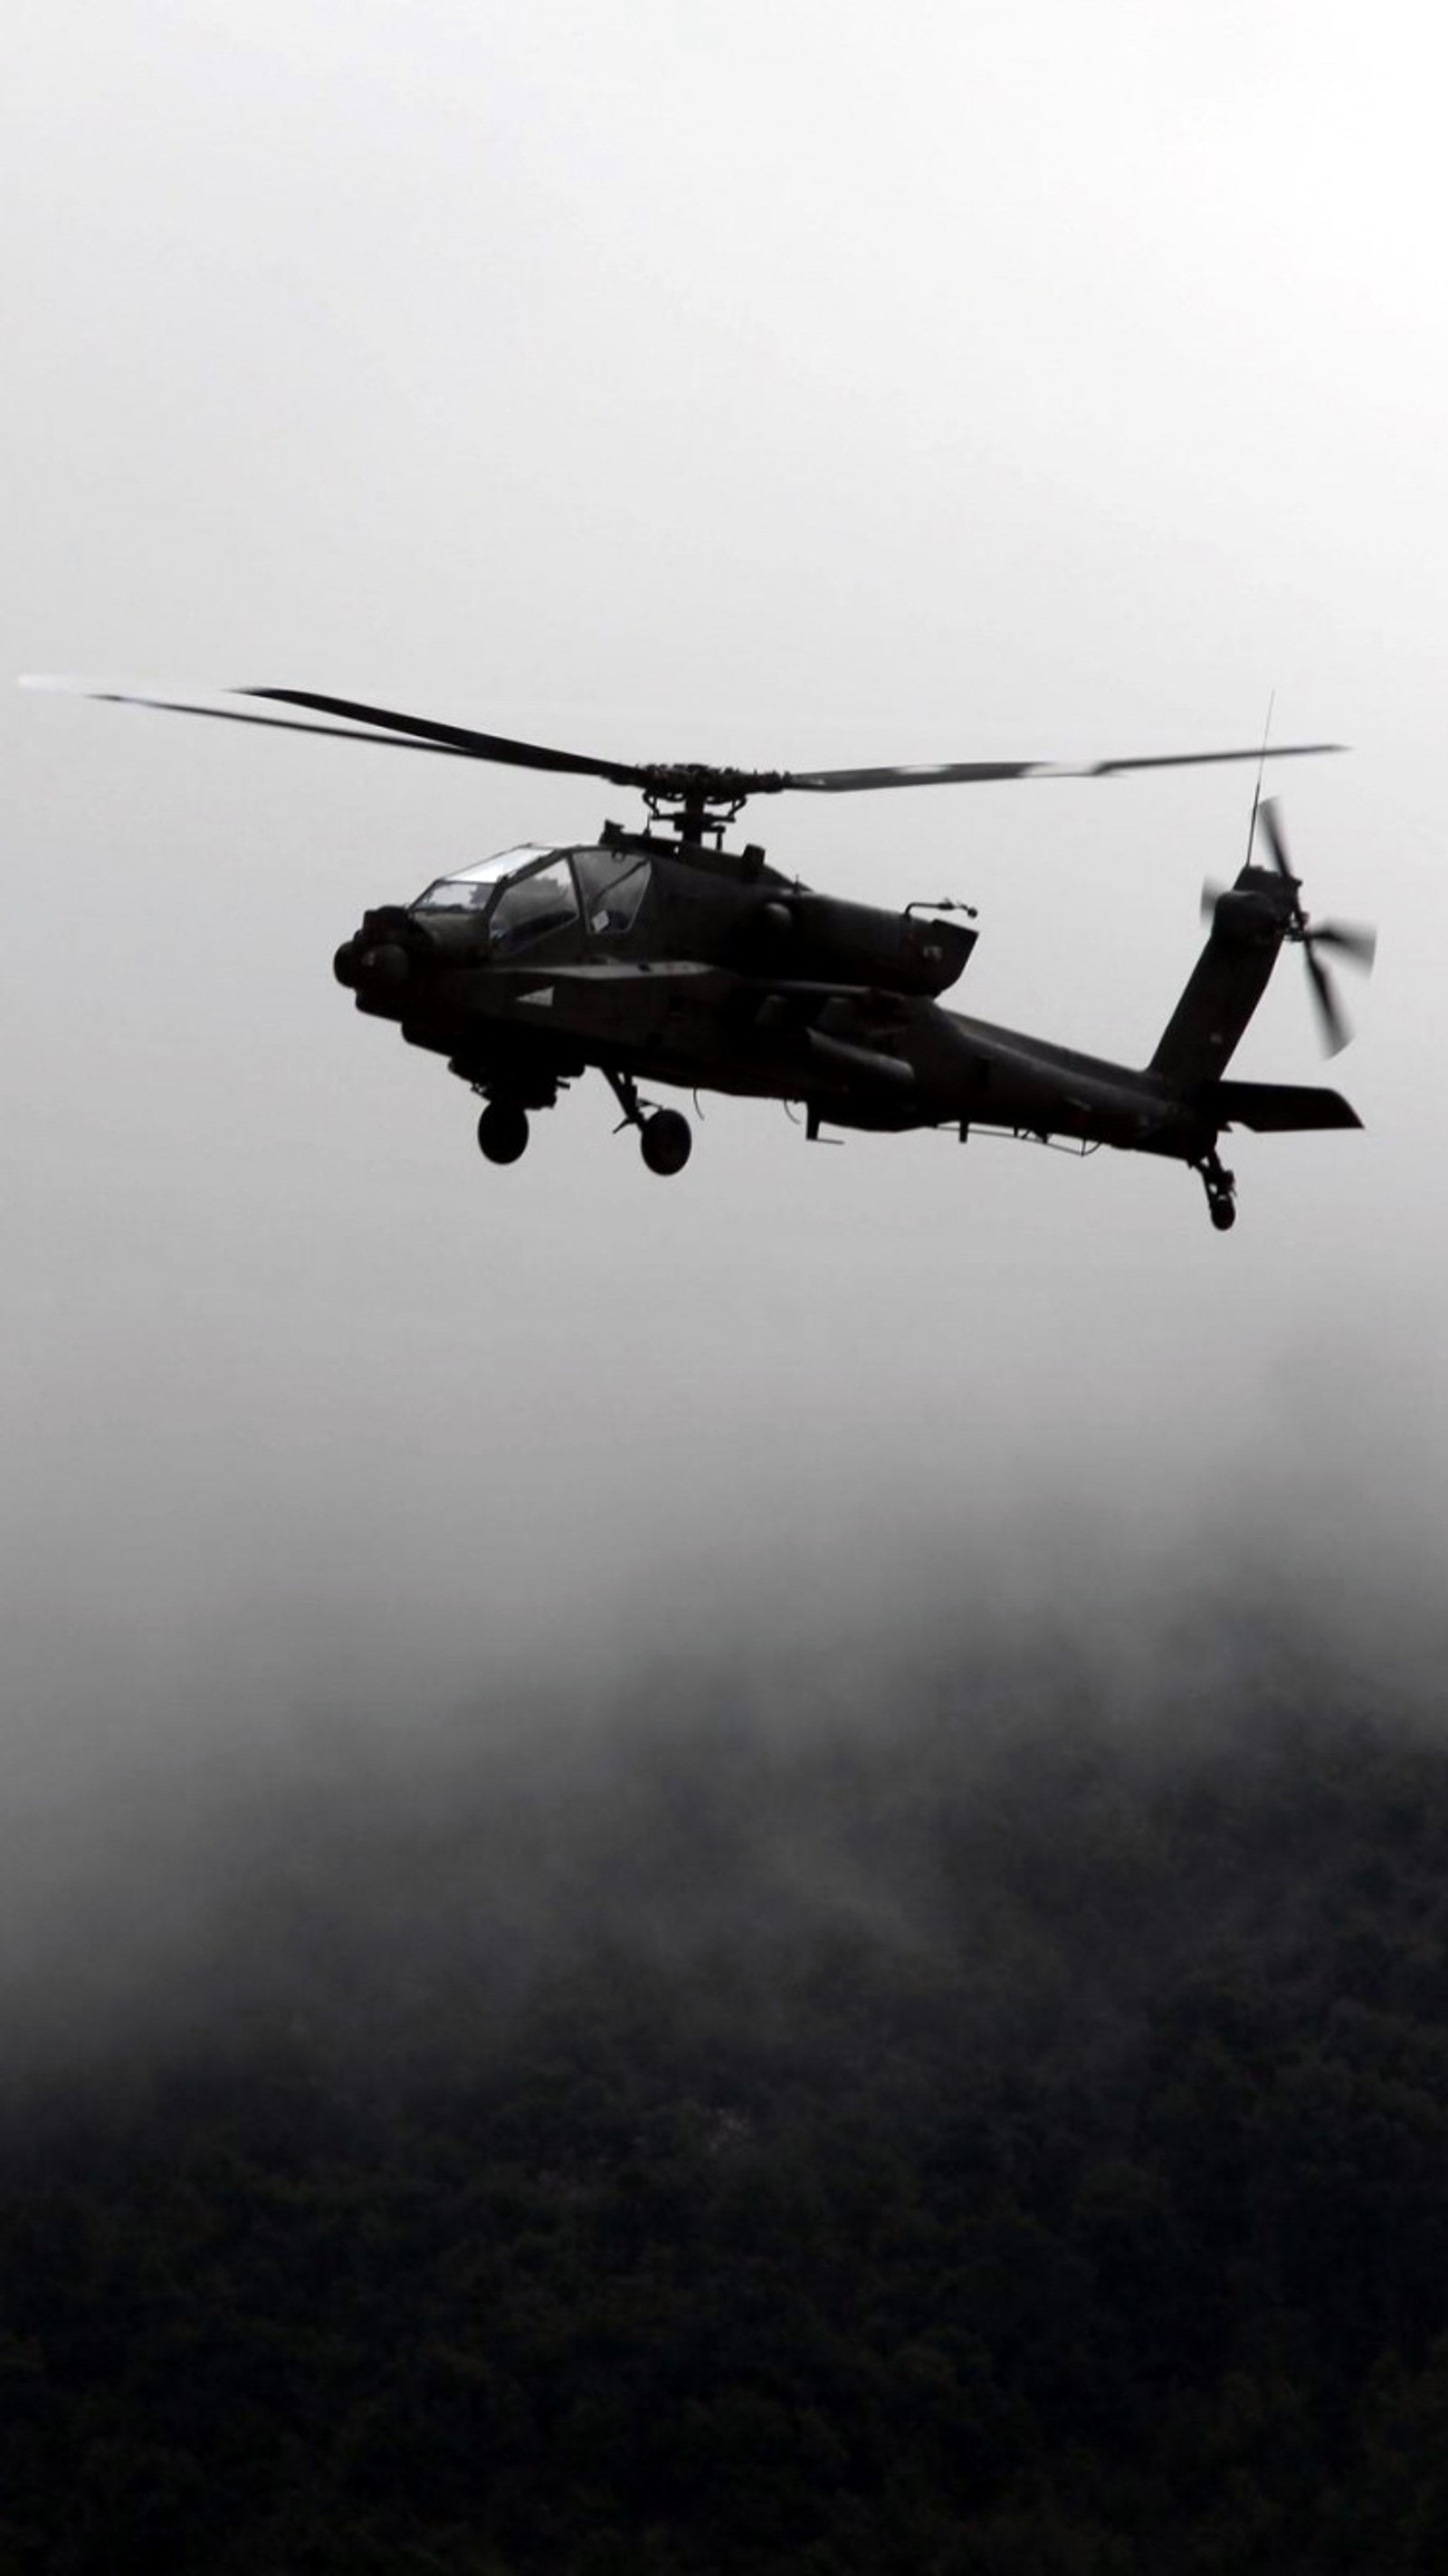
[(832, 942)]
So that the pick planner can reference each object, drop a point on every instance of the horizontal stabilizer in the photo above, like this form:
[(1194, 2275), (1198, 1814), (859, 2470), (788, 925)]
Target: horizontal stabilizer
[(1279, 1107)]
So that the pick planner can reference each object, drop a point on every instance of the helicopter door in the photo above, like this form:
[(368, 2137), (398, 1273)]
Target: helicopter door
[(614, 884), (534, 908)]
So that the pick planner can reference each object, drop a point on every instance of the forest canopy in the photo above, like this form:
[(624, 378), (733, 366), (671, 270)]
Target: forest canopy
[(989, 2132)]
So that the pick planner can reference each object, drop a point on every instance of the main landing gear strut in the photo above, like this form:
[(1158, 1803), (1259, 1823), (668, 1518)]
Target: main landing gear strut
[(665, 1141), (1221, 1189), (664, 1138)]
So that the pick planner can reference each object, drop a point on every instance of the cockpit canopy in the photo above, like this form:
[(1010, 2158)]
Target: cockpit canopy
[(473, 889), (528, 892)]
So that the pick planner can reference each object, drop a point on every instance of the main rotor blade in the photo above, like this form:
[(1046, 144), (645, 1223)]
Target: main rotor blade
[(367, 724), (702, 782), (458, 738), (1332, 1020), (836, 782), (239, 715)]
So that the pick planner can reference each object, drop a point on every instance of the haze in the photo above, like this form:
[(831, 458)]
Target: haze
[(770, 384)]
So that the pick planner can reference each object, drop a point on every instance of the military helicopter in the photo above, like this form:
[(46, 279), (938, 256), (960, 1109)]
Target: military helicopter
[(659, 956)]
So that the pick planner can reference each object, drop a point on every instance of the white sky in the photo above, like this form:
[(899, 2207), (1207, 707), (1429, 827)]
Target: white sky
[(774, 383)]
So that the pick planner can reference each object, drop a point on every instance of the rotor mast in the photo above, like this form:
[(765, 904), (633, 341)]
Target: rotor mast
[(697, 800)]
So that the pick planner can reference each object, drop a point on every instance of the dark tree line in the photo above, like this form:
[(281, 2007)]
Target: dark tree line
[(835, 2154)]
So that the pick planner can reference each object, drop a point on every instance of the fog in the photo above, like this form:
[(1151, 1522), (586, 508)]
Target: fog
[(763, 386), (271, 1839)]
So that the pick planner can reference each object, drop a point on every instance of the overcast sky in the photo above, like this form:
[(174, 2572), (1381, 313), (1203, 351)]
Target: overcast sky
[(777, 383)]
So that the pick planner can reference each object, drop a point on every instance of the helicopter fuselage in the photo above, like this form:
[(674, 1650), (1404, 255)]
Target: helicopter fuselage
[(708, 970)]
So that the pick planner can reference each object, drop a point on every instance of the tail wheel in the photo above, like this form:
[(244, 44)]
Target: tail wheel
[(503, 1131), (665, 1142), (1221, 1189)]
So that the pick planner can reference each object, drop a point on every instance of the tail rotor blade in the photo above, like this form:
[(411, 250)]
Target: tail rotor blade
[(1268, 817), (1351, 939), (1331, 1019)]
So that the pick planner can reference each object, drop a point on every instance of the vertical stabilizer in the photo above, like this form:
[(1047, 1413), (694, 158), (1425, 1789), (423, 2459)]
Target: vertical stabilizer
[(1249, 923)]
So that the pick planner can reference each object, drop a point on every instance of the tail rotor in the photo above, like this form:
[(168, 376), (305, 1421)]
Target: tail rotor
[(1351, 940)]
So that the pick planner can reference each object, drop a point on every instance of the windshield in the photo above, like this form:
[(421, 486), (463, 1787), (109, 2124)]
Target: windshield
[(471, 890)]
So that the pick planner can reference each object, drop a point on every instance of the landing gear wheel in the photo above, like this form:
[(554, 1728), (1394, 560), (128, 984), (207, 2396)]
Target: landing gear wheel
[(665, 1142), (1221, 1190), (503, 1131)]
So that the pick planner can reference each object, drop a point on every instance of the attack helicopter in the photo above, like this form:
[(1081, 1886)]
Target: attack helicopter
[(659, 956)]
